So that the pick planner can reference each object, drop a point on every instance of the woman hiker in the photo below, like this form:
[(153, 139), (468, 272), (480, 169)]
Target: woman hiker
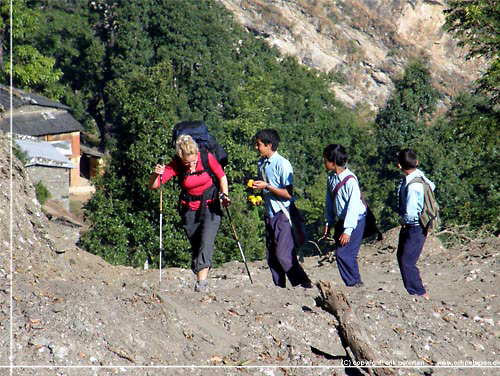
[(199, 205)]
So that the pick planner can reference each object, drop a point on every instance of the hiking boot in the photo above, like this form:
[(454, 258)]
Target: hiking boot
[(201, 286), (307, 284)]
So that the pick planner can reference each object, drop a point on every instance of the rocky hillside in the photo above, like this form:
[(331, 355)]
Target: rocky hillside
[(364, 44), (74, 314)]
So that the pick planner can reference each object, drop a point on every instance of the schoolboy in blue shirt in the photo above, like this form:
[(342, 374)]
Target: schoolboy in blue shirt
[(412, 235), (276, 182), (344, 201)]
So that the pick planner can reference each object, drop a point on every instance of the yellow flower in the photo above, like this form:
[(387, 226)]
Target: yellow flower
[(252, 199), (250, 183)]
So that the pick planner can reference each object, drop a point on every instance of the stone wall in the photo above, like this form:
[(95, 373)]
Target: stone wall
[(55, 179)]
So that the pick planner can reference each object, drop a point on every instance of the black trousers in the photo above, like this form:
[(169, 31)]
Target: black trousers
[(201, 235)]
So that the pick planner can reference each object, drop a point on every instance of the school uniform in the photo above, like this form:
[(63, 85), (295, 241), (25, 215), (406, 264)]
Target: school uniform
[(280, 251), (348, 207), (412, 235)]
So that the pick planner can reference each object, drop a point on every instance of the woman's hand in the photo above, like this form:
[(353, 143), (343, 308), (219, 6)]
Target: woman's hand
[(224, 200), (154, 180), (159, 168)]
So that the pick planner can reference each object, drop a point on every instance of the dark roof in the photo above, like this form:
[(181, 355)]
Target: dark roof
[(29, 117), (91, 151), (41, 123), (23, 98)]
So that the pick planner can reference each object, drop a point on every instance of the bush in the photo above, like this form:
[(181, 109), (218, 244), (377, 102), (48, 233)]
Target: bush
[(42, 193)]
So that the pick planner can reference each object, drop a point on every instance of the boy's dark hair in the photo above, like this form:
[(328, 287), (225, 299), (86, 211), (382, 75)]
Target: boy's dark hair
[(268, 136), (407, 158), (336, 153)]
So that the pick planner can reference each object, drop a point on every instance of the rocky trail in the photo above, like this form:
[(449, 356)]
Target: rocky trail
[(75, 314)]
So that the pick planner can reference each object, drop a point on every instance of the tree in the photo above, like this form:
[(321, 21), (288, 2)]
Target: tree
[(30, 66), (476, 23), (124, 213), (137, 67), (462, 153), (402, 123), (413, 101)]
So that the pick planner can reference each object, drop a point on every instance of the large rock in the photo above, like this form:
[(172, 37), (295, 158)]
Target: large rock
[(364, 43)]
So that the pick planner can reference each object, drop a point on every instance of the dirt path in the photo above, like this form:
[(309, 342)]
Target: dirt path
[(74, 311)]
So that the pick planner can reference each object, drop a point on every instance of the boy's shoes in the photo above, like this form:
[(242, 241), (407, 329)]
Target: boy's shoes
[(424, 297), (357, 285), (201, 286), (307, 284)]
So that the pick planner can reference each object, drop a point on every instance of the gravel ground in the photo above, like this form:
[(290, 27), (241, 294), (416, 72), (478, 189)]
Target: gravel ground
[(74, 314)]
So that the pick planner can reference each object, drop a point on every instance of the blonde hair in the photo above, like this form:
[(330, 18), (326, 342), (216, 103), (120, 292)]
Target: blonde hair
[(185, 146)]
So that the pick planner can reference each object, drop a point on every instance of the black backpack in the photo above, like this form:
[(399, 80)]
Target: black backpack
[(206, 143), (199, 132)]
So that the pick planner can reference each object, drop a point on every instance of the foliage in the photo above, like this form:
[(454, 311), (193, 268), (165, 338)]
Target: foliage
[(459, 153), (132, 69), (402, 123), (20, 154), (65, 32), (462, 152), (140, 116), (476, 23), (42, 193), (414, 99), (30, 66)]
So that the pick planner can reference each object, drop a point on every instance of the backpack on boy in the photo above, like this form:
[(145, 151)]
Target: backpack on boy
[(429, 218), (371, 227)]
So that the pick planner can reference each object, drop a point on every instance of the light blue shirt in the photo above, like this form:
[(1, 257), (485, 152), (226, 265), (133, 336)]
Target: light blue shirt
[(348, 205), (279, 174), (411, 198)]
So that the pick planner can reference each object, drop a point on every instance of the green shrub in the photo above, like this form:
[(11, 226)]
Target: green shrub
[(42, 193), (20, 154)]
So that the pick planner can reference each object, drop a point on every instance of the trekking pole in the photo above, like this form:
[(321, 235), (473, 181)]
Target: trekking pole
[(160, 161), (239, 245)]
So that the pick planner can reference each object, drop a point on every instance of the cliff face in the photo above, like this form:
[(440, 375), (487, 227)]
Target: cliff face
[(364, 44)]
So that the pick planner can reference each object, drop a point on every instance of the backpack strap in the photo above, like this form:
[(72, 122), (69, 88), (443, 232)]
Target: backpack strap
[(205, 168), (416, 179), (341, 184), (209, 194)]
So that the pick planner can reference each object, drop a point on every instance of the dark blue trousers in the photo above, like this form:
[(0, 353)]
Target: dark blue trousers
[(280, 252), (411, 243), (347, 256)]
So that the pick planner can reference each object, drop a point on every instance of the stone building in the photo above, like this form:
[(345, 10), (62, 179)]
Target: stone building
[(47, 164), (40, 117), (43, 119)]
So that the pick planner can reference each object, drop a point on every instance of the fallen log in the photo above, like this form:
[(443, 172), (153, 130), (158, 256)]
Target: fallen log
[(353, 331)]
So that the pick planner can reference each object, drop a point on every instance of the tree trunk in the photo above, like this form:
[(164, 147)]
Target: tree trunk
[(352, 330)]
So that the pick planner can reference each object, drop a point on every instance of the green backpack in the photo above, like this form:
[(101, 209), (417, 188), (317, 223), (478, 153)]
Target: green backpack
[(429, 218)]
